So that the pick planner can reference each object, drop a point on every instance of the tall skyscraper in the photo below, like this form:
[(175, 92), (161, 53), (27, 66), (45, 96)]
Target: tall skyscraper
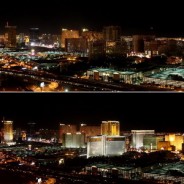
[(75, 140), (89, 130), (64, 129), (10, 36), (31, 129), (8, 131), (110, 128), (138, 43), (34, 34)]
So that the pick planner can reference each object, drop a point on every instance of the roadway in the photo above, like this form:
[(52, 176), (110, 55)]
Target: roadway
[(61, 83)]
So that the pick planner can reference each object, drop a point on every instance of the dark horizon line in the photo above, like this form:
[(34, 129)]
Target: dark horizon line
[(128, 31), (39, 126)]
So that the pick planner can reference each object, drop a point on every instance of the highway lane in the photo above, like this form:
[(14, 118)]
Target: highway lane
[(78, 84)]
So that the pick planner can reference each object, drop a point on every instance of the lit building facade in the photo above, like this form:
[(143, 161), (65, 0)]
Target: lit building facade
[(116, 47), (164, 145), (8, 131), (20, 38), (137, 137), (112, 38), (10, 36), (65, 33), (23, 135), (175, 140), (142, 43), (50, 40), (114, 145), (2, 40), (105, 146), (90, 131), (64, 129), (109, 75), (110, 128), (73, 140), (150, 142), (92, 35), (128, 40), (152, 47), (163, 141)]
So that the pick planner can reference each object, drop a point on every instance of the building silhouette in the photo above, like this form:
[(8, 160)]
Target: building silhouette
[(34, 34), (10, 36), (112, 33), (31, 129)]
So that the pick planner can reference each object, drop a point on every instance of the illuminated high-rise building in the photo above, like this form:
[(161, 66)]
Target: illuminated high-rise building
[(64, 129), (8, 131), (138, 136), (151, 141), (20, 39), (89, 130), (105, 146), (10, 36), (31, 129), (175, 140), (65, 33), (34, 34), (110, 128), (75, 140)]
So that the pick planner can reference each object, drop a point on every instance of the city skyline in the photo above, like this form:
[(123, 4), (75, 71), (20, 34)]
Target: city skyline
[(134, 111), (68, 65), (134, 17)]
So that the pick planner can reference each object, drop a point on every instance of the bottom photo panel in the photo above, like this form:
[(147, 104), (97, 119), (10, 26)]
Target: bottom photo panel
[(91, 138)]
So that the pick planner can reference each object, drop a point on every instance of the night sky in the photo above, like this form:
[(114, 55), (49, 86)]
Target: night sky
[(159, 111), (160, 17)]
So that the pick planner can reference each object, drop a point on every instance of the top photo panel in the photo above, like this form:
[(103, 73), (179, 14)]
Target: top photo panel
[(68, 46)]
